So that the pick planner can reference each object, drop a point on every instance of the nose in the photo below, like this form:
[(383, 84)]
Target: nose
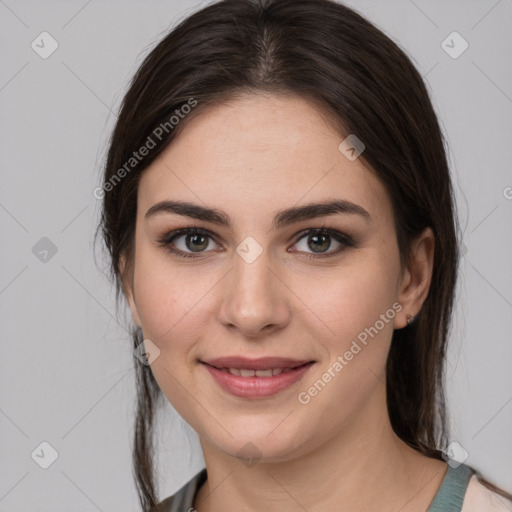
[(254, 298)]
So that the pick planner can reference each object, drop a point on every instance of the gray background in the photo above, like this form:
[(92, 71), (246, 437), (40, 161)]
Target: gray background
[(66, 369)]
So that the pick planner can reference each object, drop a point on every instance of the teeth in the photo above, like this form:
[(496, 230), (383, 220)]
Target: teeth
[(264, 373), (242, 372)]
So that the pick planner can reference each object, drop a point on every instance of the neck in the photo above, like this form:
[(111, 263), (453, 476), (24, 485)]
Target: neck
[(365, 466)]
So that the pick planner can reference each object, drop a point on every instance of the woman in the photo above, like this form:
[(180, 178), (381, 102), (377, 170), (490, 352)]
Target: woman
[(279, 216)]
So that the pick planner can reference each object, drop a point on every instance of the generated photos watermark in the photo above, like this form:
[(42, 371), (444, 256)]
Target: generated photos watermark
[(137, 156), (305, 397)]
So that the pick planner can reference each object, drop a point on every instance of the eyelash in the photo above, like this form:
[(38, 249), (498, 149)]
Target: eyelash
[(343, 239)]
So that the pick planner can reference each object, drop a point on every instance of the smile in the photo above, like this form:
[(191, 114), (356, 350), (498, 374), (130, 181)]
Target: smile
[(241, 372), (251, 383)]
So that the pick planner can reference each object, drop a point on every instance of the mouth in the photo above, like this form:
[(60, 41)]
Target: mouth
[(251, 372), (260, 363), (256, 378)]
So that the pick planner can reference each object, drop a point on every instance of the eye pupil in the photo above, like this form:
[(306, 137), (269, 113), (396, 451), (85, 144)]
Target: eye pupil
[(194, 239), (323, 239)]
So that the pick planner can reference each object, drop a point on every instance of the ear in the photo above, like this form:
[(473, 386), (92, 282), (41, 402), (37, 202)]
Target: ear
[(129, 292), (416, 279)]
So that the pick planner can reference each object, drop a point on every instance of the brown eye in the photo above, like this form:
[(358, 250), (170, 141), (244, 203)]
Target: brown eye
[(196, 243), (318, 241), (187, 241)]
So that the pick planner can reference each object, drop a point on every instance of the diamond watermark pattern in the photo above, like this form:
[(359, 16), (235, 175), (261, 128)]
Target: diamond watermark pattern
[(147, 352), (454, 45), (44, 45), (44, 250), (351, 147), (455, 454), (45, 455), (249, 249), (250, 454)]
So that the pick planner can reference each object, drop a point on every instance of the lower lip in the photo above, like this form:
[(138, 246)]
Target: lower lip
[(256, 387)]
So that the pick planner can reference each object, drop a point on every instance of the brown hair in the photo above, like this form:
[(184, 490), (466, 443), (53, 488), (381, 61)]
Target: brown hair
[(332, 56)]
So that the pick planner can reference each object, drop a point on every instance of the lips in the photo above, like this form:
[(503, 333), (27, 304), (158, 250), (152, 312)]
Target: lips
[(256, 378), (262, 363)]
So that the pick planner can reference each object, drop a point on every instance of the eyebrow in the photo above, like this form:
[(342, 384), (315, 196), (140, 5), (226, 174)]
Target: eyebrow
[(281, 219)]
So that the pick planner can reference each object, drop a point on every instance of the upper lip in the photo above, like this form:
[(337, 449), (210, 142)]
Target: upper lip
[(262, 363)]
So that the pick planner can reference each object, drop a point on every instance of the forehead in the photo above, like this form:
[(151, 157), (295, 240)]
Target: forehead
[(256, 154)]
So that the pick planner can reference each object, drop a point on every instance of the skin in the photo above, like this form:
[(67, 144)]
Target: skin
[(251, 158)]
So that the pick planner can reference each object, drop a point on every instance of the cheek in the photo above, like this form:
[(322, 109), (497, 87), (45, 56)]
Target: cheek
[(161, 297), (172, 301), (170, 310), (349, 299), (357, 314), (157, 305), (353, 310)]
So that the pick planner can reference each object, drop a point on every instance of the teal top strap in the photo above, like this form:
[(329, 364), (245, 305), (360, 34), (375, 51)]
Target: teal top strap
[(451, 494)]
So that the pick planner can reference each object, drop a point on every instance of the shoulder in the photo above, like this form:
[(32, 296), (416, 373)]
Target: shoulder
[(479, 498), (183, 499)]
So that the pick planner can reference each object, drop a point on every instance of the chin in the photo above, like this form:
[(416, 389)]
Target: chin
[(261, 442)]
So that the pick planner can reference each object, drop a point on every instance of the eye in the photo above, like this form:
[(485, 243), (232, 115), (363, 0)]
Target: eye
[(319, 241), (187, 241)]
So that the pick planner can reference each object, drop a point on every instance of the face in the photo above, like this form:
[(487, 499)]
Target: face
[(255, 282)]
